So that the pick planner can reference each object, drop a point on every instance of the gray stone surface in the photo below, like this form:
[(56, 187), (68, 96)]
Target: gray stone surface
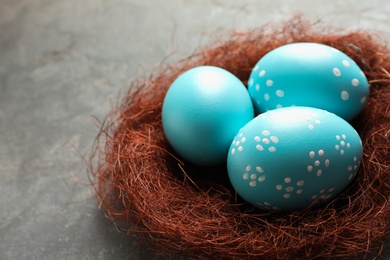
[(63, 63)]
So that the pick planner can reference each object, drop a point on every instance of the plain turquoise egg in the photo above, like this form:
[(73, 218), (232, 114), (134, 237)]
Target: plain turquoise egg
[(308, 74), (288, 158), (202, 112)]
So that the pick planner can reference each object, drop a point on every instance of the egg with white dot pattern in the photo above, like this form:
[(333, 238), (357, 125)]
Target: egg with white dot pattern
[(308, 74), (289, 158), (202, 111)]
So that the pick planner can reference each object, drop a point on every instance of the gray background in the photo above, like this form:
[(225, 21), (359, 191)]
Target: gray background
[(63, 62)]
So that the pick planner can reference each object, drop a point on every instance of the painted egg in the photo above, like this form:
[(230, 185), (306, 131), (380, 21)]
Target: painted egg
[(308, 74), (202, 112), (288, 158)]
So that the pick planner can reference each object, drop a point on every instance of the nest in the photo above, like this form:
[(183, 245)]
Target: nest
[(179, 208)]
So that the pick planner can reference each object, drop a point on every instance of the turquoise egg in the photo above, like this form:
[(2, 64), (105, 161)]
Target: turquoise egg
[(308, 74), (202, 112), (288, 158)]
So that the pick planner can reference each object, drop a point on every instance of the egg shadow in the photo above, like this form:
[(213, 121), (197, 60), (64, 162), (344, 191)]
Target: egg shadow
[(215, 179)]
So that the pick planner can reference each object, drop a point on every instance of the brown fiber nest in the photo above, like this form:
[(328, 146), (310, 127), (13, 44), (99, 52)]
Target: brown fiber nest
[(175, 207)]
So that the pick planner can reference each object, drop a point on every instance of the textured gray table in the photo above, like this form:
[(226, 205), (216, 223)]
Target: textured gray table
[(62, 62)]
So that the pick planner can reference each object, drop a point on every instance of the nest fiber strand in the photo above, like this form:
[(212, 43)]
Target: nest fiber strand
[(184, 209)]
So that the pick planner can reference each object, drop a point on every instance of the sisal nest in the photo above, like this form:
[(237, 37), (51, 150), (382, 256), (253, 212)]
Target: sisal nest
[(176, 207)]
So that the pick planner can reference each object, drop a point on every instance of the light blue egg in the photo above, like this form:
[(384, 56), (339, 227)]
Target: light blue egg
[(202, 112), (309, 74), (289, 158)]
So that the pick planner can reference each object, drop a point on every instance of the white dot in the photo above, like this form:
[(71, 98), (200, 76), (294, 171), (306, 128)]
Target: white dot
[(265, 140), (252, 183), (237, 143), (332, 189), (341, 152), (311, 154), (240, 135), (336, 72), (245, 176), (265, 132), (354, 159), (279, 106), (274, 139), (322, 191), (317, 163), (311, 127), (348, 145), (253, 176), (363, 99), (287, 180), (250, 82), (328, 196), (344, 95), (255, 68), (337, 137), (299, 191), (300, 183), (321, 152), (314, 196), (279, 187), (286, 196), (259, 169), (337, 146), (257, 87), (346, 63), (289, 188), (342, 143), (344, 136), (233, 151), (259, 147), (350, 176), (327, 162), (355, 82), (262, 178), (326, 53), (257, 138), (269, 83), (272, 149), (355, 167), (350, 168), (240, 149), (262, 73), (266, 96), (280, 93), (317, 122), (248, 168), (243, 140), (267, 203), (319, 172), (309, 168)]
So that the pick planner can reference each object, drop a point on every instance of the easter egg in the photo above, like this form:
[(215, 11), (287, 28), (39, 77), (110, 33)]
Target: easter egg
[(202, 112), (308, 74), (288, 158)]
